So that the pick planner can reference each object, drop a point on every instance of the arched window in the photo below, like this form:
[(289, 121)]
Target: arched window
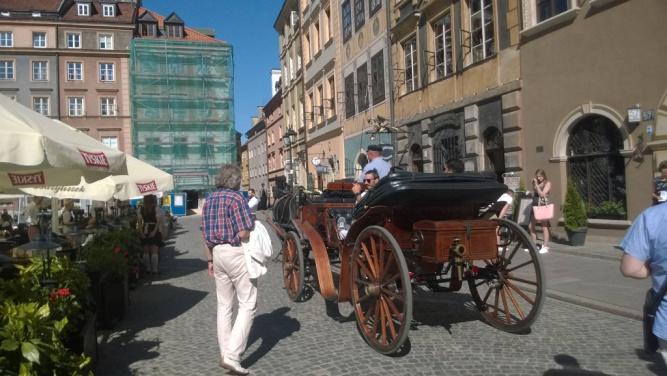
[(596, 166), (448, 144), (417, 158)]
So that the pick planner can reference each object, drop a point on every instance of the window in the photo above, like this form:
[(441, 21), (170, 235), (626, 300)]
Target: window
[(546, 9), (481, 29), (319, 113), (174, 31), (327, 25), (316, 39), (110, 141), (148, 29), (108, 106), (349, 95), (306, 48), (374, 6), (106, 41), (310, 120), (410, 54), (74, 71), (347, 20), (39, 40), (73, 40), (331, 101), (39, 70), (442, 30), (106, 72), (359, 14), (83, 9), (41, 105), (75, 106), (362, 87), (377, 77), (6, 39), (108, 10), (6, 69)]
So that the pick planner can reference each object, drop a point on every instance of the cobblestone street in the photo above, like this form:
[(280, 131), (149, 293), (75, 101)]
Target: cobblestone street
[(170, 330)]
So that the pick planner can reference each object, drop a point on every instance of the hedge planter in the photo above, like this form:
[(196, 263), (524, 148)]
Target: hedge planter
[(577, 237), (111, 298)]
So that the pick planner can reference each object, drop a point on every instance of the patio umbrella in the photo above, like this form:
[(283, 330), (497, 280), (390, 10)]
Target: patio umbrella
[(141, 179), (38, 151)]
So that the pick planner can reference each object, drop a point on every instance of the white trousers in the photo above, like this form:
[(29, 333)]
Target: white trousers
[(232, 281)]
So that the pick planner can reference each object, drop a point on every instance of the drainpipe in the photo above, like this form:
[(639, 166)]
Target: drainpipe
[(57, 98), (390, 65)]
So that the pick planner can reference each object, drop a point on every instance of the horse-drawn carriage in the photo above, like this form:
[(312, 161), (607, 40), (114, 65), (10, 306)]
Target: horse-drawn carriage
[(411, 230)]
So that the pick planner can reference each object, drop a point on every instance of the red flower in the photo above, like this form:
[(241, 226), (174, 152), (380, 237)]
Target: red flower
[(117, 249), (64, 292)]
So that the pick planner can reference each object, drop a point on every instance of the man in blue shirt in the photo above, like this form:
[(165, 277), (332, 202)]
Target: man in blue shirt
[(376, 162), (645, 248)]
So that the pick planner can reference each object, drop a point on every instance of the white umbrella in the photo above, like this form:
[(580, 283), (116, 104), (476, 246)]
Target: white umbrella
[(142, 179), (38, 151)]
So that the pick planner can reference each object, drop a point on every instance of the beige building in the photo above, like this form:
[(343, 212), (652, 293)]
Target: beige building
[(287, 25), (245, 172), (457, 84), (319, 41), (257, 153), (69, 60), (588, 69), (365, 77), (273, 118)]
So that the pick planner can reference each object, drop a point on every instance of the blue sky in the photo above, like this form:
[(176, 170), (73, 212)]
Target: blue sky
[(248, 26)]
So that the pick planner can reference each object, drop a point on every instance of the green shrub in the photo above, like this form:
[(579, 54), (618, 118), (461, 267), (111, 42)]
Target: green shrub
[(112, 252), (574, 209), (609, 210)]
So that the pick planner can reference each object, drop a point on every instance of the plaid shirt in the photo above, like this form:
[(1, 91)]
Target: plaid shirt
[(225, 214)]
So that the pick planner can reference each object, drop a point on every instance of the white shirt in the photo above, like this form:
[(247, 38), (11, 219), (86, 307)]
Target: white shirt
[(253, 202), (257, 250)]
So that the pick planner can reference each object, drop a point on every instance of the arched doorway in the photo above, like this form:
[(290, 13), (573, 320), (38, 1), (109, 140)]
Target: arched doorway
[(448, 144), (416, 156), (596, 166), (494, 151)]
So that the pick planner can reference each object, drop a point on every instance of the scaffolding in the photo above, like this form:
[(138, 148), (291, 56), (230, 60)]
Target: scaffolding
[(182, 97)]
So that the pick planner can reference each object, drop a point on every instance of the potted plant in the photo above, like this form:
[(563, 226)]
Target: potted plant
[(576, 220)]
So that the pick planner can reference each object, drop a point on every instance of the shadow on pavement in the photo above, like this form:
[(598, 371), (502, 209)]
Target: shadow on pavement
[(571, 367), (119, 348), (443, 309), (270, 328), (657, 365)]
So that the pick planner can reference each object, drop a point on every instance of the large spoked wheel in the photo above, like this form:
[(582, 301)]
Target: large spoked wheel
[(381, 290), (509, 289), (293, 267)]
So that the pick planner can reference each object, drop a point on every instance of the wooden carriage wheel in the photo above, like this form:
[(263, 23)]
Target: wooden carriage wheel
[(509, 290), (381, 290), (293, 267)]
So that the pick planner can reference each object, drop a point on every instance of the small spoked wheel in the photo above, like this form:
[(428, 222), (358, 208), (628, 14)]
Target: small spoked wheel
[(381, 290), (293, 267), (509, 289)]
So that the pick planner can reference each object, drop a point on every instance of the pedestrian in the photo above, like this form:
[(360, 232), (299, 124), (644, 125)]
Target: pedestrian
[(660, 184), (151, 220), (253, 201), (453, 166), (6, 221), (541, 189), (645, 254), (226, 221), (263, 199)]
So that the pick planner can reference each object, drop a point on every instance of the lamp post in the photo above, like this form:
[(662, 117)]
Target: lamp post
[(287, 140)]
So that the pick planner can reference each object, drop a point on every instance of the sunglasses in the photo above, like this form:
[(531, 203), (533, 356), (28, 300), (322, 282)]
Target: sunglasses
[(368, 180)]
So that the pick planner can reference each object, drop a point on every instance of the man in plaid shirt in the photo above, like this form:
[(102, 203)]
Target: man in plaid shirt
[(226, 220)]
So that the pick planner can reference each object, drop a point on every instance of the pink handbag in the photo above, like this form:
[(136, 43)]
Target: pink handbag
[(543, 212)]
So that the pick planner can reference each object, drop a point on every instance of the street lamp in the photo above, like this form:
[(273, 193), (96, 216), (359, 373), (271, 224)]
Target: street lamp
[(287, 141)]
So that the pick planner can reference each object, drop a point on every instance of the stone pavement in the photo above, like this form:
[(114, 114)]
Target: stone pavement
[(170, 330)]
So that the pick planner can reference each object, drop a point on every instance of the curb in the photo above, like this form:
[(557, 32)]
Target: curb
[(595, 304), (583, 253)]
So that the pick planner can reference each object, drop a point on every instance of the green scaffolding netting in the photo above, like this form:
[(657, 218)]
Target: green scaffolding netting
[(182, 95)]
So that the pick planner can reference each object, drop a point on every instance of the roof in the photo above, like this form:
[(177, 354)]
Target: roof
[(30, 5), (174, 18), (125, 12), (190, 33)]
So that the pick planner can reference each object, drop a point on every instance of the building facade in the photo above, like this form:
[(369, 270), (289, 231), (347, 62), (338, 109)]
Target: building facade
[(365, 73), (457, 84), (580, 97), (258, 171), (69, 60), (287, 25), (273, 118), (182, 100), (319, 41), (245, 173)]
